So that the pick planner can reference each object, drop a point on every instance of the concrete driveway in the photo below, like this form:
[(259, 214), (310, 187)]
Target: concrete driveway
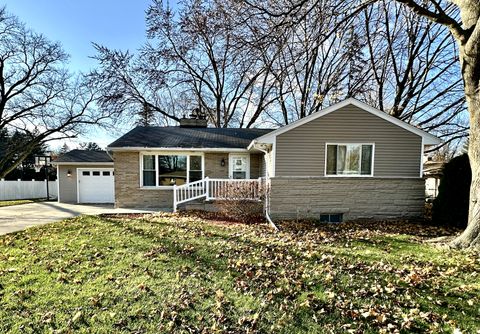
[(19, 217)]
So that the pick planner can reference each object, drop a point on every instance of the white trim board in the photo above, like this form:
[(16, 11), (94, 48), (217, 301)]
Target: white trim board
[(427, 138), (82, 163), (58, 184), (321, 177), (177, 149), (158, 153), (372, 172)]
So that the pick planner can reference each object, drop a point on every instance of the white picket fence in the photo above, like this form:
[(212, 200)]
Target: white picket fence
[(11, 190)]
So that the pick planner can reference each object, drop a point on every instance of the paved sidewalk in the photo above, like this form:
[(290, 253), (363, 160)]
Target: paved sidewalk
[(19, 217)]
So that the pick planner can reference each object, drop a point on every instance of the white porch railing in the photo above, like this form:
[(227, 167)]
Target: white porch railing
[(234, 189), (189, 192), (212, 189)]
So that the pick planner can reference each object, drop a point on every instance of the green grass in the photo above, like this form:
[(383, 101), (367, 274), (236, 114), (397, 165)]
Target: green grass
[(183, 274), (16, 202)]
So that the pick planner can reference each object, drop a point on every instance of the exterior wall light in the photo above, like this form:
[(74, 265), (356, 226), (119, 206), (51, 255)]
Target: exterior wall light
[(222, 163), (69, 173)]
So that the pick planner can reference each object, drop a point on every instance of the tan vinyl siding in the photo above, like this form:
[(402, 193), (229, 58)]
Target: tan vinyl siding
[(255, 166), (263, 167), (301, 151), (67, 185)]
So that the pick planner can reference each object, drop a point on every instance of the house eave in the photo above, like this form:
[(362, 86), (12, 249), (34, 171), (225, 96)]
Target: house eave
[(256, 145), (181, 149), (82, 163)]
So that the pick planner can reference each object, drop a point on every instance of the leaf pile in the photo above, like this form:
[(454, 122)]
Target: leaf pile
[(191, 274)]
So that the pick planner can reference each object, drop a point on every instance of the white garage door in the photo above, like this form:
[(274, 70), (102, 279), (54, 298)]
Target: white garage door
[(95, 185)]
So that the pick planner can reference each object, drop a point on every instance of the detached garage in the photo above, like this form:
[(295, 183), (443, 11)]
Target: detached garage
[(85, 177)]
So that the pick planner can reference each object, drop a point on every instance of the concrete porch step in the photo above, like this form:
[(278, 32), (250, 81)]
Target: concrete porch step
[(198, 204)]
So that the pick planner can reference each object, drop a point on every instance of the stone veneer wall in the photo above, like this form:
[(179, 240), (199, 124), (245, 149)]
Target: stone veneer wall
[(128, 193), (213, 167), (377, 198), (215, 170)]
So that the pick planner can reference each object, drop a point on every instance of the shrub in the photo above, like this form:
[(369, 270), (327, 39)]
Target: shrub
[(242, 202), (450, 208)]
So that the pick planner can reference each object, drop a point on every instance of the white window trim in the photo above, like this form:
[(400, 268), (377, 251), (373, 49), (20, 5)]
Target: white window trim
[(349, 175), (58, 184), (156, 154), (230, 158), (422, 154)]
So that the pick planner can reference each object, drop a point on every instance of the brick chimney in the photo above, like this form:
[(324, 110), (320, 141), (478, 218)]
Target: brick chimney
[(196, 119)]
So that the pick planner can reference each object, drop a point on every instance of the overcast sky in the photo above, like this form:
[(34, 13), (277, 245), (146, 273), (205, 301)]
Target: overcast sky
[(76, 24)]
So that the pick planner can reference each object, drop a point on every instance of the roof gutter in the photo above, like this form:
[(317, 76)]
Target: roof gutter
[(263, 147), (183, 149), (64, 163)]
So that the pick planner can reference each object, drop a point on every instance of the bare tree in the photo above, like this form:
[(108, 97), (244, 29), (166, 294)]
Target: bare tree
[(128, 84), (200, 44), (467, 36), (415, 70), (38, 97), (195, 57), (90, 146), (317, 70)]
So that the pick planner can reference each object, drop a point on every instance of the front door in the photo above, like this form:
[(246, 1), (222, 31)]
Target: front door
[(239, 166)]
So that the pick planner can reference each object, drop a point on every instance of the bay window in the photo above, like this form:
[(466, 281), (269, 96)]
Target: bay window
[(349, 159), (169, 169)]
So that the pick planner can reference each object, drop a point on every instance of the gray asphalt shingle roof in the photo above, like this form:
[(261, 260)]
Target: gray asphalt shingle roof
[(178, 137), (84, 156)]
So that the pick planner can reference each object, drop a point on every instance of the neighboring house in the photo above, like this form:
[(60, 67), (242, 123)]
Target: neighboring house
[(432, 173), (344, 162)]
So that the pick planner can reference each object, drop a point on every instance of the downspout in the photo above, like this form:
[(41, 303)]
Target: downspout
[(267, 199), (267, 215)]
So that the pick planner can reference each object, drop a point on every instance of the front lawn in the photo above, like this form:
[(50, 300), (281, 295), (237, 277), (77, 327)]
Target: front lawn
[(171, 273), (16, 202)]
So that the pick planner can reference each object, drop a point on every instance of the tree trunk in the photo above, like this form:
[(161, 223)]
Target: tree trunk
[(470, 62)]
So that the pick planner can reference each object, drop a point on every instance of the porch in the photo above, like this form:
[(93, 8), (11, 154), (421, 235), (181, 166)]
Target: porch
[(148, 179), (211, 189)]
